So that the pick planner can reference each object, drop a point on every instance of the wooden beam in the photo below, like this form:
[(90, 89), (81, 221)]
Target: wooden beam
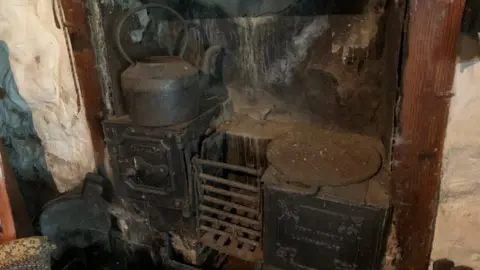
[(428, 73), (14, 218), (90, 90)]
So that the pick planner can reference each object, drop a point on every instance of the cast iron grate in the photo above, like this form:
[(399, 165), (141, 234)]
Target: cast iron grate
[(229, 211)]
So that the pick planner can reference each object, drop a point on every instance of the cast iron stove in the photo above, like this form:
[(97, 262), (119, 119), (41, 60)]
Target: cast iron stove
[(152, 165), (280, 200)]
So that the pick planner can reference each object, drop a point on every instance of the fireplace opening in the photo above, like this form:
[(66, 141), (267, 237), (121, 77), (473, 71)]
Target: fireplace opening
[(263, 135)]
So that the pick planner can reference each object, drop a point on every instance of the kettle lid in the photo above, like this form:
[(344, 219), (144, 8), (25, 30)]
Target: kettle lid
[(161, 67)]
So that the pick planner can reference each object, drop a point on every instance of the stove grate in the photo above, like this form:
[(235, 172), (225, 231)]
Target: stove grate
[(229, 211)]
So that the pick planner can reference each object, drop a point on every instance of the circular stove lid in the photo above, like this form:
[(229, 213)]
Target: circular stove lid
[(316, 157)]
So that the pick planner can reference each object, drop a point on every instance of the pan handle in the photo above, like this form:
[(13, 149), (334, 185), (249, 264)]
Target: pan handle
[(134, 10)]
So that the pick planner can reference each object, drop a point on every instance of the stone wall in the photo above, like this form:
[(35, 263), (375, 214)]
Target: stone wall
[(457, 231), (42, 70)]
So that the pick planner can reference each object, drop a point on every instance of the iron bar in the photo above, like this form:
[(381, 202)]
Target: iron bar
[(227, 166), (227, 182), (230, 204), (233, 226), (241, 239), (229, 193), (229, 215)]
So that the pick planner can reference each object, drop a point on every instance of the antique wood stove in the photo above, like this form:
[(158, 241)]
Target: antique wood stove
[(153, 173), (279, 194)]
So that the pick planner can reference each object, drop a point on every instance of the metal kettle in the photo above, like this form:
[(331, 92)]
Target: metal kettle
[(163, 90)]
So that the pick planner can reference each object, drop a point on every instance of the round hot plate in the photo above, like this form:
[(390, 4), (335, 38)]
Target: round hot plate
[(315, 157)]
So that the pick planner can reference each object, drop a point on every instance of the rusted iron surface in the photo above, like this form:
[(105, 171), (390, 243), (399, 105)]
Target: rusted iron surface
[(229, 204), (427, 78), (229, 212), (232, 246), (228, 215), (229, 193), (227, 182), (229, 166), (223, 233), (75, 20), (219, 222)]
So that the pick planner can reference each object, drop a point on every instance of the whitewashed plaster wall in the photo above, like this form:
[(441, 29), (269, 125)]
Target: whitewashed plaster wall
[(457, 232), (43, 74)]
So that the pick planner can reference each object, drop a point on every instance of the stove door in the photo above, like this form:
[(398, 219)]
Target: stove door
[(153, 169), (151, 164)]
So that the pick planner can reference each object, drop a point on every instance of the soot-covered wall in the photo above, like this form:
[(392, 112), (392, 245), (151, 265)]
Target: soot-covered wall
[(328, 62)]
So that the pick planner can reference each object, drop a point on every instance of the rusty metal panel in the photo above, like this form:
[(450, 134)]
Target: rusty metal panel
[(338, 234)]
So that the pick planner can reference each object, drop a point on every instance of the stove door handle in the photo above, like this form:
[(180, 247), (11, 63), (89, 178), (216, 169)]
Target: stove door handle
[(141, 164)]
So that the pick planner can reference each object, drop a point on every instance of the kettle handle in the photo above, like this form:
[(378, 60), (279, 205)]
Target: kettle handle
[(207, 58), (145, 6)]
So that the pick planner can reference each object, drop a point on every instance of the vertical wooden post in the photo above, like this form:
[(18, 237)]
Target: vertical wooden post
[(428, 73), (14, 219), (76, 22)]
